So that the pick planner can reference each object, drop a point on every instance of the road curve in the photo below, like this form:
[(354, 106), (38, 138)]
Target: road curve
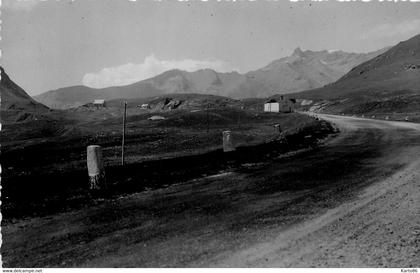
[(380, 227), (352, 202)]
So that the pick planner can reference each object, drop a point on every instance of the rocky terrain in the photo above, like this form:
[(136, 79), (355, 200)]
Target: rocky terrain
[(302, 70)]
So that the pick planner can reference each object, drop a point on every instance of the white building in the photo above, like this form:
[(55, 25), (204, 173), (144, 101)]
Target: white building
[(99, 103), (283, 105), (145, 106), (272, 106)]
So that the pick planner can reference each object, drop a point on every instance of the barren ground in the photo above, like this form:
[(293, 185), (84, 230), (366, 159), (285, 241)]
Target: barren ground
[(47, 174), (352, 202)]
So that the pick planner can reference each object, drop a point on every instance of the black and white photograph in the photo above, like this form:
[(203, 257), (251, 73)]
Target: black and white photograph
[(215, 134)]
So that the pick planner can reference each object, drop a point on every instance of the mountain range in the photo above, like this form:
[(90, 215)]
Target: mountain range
[(388, 83), (301, 71), (395, 71)]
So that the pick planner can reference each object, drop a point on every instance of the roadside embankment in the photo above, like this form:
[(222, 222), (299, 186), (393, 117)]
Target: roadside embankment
[(61, 185)]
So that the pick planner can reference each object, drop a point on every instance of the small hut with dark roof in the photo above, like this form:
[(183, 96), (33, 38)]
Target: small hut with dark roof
[(283, 105)]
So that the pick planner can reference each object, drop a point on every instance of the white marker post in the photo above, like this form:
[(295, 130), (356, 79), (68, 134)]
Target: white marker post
[(96, 168), (227, 142)]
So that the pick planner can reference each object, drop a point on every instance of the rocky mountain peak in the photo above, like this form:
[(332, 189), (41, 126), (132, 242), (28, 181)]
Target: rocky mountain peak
[(298, 52)]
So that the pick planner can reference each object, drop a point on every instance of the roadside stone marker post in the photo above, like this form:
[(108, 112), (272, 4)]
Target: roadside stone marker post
[(227, 142), (96, 168)]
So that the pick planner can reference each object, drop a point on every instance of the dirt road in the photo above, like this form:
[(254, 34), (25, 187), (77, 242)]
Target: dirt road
[(352, 202)]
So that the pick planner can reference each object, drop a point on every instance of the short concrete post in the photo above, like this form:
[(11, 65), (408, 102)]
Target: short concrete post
[(227, 142), (277, 128), (96, 168)]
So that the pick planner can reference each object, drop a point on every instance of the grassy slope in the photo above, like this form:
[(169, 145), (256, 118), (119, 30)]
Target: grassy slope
[(58, 162), (16, 104)]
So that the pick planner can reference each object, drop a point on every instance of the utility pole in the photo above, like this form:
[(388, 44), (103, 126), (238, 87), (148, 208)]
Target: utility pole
[(239, 118), (207, 112), (123, 136)]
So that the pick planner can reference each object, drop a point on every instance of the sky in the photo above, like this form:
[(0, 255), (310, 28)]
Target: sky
[(51, 44)]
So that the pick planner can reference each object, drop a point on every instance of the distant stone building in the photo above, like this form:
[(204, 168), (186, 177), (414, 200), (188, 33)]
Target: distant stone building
[(99, 103), (283, 105)]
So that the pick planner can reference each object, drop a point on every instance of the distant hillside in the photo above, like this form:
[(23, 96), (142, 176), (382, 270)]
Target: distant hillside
[(204, 81), (16, 104), (300, 71), (395, 71), (165, 105), (74, 96), (188, 101), (384, 81)]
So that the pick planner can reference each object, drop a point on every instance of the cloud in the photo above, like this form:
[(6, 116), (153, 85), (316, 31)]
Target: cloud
[(403, 30), (151, 66), (20, 4)]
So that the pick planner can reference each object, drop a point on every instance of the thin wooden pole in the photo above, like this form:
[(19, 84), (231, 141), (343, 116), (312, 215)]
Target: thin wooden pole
[(123, 136), (208, 125), (239, 117)]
